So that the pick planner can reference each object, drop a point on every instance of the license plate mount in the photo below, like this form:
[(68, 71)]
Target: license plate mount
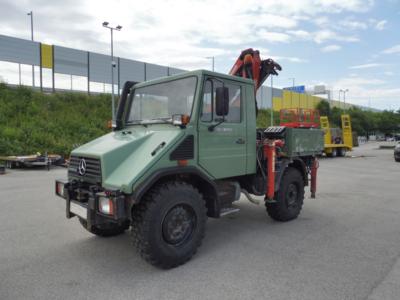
[(78, 210)]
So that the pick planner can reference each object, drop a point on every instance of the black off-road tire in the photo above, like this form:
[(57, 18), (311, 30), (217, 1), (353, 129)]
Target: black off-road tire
[(289, 198), (397, 159), (341, 152), (106, 230), (168, 225)]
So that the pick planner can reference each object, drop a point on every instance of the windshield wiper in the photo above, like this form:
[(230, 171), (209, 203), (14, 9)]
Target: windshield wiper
[(155, 121)]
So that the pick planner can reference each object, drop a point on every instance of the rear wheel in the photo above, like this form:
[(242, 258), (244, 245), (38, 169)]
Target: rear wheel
[(341, 152), (168, 225), (106, 230), (289, 198)]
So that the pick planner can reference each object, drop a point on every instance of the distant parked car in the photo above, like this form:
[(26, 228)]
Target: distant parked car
[(397, 153)]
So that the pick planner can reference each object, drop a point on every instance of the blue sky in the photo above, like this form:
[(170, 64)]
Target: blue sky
[(344, 44)]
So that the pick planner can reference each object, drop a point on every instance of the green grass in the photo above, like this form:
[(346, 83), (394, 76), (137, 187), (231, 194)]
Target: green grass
[(32, 122)]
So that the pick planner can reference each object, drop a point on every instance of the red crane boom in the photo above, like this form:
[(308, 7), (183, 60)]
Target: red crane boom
[(250, 65)]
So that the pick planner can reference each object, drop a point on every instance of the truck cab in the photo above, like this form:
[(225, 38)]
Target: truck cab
[(183, 148)]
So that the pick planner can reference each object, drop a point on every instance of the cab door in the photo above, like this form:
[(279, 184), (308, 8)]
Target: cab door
[(222, 149)]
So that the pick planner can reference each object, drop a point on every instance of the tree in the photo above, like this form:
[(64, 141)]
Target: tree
[(324, 108), (388, 122)]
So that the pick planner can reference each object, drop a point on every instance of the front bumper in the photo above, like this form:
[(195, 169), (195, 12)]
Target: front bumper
[(83, 201)]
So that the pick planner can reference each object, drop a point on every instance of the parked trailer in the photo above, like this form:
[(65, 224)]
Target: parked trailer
[(31, 160), (337, 144)]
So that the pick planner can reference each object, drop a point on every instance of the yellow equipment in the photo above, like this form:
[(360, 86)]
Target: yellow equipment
[(337, 144)]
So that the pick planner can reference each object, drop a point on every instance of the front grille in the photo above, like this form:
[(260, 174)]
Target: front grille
[(93, 169)]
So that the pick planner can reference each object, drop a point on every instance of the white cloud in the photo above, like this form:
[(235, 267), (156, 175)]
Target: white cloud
[(275, 21), (358, 81), (301, 34), (288, 58), (392, 50), (273, 36), (388, 73), (321, 21), (362, 90), (366, 66), (353, 25), (381, 25), (331, 48), (174, 32), (322, 36)]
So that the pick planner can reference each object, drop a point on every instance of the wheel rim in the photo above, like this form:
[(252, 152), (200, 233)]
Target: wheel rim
[(179, 224), (292, 195)]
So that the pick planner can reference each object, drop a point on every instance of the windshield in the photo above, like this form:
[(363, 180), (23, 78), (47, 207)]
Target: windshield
[(160, 101)]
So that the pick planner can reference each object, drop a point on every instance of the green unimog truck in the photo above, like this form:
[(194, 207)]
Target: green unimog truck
[(184, 148)]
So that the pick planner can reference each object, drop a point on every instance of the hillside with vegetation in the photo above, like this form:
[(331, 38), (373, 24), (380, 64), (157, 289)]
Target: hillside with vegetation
[(31, 121)]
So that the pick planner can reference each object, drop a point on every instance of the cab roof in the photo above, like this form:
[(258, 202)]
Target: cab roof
[(197, 73)]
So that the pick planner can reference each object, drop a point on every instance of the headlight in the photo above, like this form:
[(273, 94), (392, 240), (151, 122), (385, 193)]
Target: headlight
[(60, 188), (106, 205)]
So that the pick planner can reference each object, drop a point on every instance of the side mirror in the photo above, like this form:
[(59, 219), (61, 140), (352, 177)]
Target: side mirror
[(222, 101)]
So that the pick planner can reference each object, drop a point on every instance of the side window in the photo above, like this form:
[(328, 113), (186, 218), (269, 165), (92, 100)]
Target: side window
[(209, 98), (235, 98), (207, 110)]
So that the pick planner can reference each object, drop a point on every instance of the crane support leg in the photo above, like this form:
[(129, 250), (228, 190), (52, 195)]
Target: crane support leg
[(314, 168), (270, 154)]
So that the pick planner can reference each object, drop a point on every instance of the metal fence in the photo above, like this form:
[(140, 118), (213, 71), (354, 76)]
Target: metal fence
[(94, 66)]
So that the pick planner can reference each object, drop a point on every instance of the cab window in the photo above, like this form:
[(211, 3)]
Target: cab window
[(235, 98)]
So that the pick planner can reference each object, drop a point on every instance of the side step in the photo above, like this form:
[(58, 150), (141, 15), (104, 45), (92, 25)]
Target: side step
[(228, 210)]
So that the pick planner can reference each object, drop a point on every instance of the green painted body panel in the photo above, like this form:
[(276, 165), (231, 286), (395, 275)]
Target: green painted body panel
[(303, 142), (127, 156), (251, 130), (220, 154)]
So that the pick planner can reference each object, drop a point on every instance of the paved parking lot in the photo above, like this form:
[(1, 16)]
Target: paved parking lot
[(344, 245)]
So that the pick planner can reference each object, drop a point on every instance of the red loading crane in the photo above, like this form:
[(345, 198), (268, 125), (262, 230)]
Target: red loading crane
[(250, 65)]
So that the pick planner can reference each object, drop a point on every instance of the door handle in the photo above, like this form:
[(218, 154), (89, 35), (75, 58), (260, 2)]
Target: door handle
[(240, 141)]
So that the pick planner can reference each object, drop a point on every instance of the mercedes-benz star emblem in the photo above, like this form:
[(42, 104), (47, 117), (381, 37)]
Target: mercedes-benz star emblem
[(82, 167)]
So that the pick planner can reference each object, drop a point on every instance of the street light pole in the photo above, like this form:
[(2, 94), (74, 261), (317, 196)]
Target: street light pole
[(293, 81), (119, 27), (344, 97), (292, 91), (272, 101), (33, 66), (212, 61)]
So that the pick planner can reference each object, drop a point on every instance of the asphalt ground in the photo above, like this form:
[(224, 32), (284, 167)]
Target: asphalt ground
[(344, 245)]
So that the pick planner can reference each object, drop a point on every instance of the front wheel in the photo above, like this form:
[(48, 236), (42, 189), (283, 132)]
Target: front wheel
[(289, 198), (106, 230), (342, 152), (168, 225)]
